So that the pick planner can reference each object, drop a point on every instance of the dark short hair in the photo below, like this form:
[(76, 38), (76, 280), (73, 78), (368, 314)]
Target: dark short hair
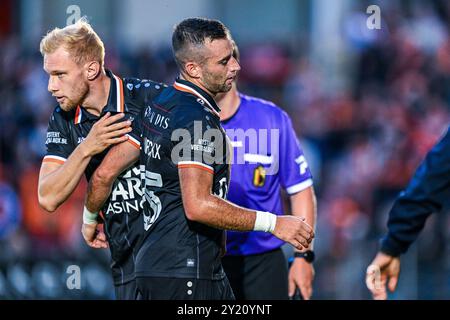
[(192, 33)]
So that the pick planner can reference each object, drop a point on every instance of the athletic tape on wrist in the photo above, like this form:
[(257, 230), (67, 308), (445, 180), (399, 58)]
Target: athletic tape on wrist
[(89, 217), (265, 221)]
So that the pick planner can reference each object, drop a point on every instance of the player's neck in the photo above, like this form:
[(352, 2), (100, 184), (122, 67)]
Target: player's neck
[(98, 95), (228, 103), (197, 83)]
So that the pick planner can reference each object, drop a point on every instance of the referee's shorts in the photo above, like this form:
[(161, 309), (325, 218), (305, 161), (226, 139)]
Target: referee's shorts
[(258, 277)]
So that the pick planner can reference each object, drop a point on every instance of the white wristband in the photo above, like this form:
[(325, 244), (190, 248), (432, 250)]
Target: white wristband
[(265, 221), (89, 217)]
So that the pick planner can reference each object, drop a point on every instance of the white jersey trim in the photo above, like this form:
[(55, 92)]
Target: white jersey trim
[(299, 187), (196, 163)]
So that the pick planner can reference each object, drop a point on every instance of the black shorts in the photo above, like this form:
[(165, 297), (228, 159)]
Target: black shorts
[(126, 291), (150, 288), (258, 277)]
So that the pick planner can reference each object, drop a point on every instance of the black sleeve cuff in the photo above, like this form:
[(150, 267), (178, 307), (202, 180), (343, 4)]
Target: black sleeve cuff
[(392, 247)]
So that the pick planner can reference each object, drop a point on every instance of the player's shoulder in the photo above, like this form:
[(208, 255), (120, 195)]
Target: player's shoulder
[(135, 87), (137, 83), (189, 112), (187, 98), (190, 105)]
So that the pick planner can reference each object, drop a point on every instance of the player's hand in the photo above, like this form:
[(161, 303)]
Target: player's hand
[(383, 270), (294, 230), (301, 275), (94, 237), (105, 132)]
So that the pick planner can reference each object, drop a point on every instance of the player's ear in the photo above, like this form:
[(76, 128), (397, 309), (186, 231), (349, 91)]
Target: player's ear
[(92, 70), (193, 69)]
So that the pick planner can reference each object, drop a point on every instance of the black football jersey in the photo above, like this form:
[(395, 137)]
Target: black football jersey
[(181, 129), (122, 210)]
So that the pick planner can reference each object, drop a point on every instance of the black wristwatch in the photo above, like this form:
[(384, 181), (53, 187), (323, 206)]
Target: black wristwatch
[(307, 255)]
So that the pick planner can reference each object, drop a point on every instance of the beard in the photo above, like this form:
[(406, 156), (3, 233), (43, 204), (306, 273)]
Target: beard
[(221, 88), (76, 98), (216, 85)]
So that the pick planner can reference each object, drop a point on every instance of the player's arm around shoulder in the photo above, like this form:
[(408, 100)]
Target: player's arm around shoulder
[(64, 165), (118, 159)]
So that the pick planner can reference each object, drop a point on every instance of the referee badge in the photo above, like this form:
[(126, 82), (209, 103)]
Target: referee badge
[(259, 176)]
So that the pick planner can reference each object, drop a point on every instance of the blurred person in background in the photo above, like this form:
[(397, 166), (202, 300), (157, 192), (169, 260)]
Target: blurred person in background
[(255, 263), (91, 103), (428, 192)]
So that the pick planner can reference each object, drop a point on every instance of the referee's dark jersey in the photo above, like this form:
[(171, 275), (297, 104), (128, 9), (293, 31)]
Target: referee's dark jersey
[(181, 129), (66, 130)]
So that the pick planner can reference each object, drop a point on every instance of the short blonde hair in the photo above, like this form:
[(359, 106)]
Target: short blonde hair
[(79, 39)]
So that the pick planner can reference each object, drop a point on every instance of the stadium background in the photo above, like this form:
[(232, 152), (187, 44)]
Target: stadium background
[(367, 105)]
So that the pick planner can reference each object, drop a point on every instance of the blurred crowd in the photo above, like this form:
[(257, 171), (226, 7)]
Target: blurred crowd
[(363, 143)]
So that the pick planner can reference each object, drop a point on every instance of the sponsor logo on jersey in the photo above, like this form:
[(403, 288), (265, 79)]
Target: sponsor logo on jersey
[(54, 137), (203, 145), (126, 196), (151, 149), (157, 119)]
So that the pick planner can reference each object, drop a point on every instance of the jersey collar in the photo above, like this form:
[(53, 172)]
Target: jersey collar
[(187, 86), (115, 104)]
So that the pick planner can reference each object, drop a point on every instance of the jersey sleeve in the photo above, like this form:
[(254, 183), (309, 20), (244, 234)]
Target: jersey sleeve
[(58, 143), (197, 141), (295, 174), (427, 192), (142, 92)]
